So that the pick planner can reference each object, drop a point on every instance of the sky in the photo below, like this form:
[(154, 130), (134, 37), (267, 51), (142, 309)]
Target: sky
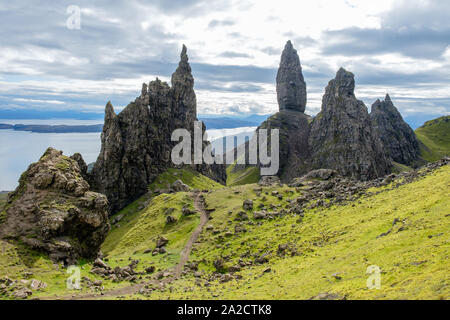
[(392, 46)]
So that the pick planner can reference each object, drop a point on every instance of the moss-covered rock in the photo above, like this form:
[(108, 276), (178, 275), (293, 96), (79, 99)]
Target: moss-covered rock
[(52, 210)]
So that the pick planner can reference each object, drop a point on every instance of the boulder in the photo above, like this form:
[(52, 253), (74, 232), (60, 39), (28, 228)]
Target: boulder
[(179, 186), (247, 205), (52, 210), (161, 242)]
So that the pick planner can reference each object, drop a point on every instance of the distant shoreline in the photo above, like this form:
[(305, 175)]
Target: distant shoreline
[(211, 124), (38, 128)]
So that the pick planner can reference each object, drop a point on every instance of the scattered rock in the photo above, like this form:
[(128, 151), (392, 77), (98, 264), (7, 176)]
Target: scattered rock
[(179, 186), (247, 205), (161, 242), (170, 220), (186, 211)]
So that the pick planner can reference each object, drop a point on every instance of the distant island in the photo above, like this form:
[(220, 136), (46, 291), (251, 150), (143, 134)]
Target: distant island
[(52, 128), (211, 123)]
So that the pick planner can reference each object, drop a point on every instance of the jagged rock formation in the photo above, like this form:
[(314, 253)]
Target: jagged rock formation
[(397, 136), (52, 210), (136, 143), (342, 136), (291, 87)]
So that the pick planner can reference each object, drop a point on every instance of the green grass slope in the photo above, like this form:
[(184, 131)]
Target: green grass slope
[(237, 176), (139, 230), (334, 247), (329, 249), (434, 138), (142, 223)]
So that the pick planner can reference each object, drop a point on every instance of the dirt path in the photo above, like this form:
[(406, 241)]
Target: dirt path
[(199, 205), (176, 271)]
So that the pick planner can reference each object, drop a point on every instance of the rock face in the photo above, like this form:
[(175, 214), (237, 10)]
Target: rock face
[(294, 149), (397, 136), (291, 87), (52, 210), (136, 143), (342, 136)]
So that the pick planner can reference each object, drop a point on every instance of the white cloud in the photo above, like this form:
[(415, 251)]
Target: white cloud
[(121, 45)]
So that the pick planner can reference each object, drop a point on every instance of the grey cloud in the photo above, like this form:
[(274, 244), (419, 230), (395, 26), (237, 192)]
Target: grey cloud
[(220, 23), (414, 28), (412, 42), (234, 54)]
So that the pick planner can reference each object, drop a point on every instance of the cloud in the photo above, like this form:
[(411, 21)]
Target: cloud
[(400, 47), (410, 42), (38, 101), (220, 23), (234, 54)]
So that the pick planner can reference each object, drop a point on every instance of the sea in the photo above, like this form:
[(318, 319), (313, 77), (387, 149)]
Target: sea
[(18, 149)]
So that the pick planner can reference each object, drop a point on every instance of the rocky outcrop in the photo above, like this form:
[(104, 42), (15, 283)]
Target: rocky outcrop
[(53, 210), (136, 143), (291, 87), (397, 136), (342, 136)]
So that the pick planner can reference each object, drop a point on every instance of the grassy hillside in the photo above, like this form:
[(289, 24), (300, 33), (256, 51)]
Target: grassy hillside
[(434, 137), (139, 230), (333, 247), (3, 199), (142, 223), (327, 251)]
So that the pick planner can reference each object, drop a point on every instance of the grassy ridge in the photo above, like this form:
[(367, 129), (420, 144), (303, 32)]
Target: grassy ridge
[(434, 138), (237, 177)]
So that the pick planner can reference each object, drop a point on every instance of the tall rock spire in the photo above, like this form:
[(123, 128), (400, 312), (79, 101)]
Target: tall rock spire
[(291, 87), (398, 138), (183, 88)]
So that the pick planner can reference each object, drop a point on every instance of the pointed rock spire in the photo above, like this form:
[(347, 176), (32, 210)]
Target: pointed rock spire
[(388, 98), (398, 138), (183, 73), (291, 86), (344, 83), (183, 87), (109, 111)]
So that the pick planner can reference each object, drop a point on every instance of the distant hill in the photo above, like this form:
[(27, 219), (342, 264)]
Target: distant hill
[(211, 123), (434, 138)]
